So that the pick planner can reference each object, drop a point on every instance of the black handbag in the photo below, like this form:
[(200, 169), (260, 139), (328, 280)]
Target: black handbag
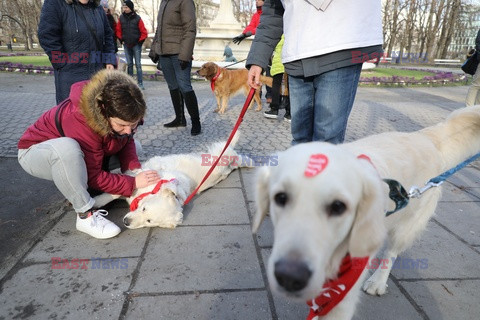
[(470, 65)]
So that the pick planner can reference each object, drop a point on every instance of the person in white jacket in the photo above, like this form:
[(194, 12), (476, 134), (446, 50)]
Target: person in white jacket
[(326, 42)]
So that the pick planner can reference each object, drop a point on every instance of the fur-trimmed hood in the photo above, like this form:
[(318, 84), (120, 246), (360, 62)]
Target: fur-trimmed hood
[(91, 95), (96, 2)]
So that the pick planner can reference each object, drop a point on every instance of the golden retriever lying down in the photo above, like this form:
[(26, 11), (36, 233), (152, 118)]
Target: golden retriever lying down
[(181, 173), (228, 83), (327, 201)]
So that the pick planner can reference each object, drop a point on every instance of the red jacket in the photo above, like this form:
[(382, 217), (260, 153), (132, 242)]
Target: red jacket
[(142, 31), (92, 132), (254, 22)]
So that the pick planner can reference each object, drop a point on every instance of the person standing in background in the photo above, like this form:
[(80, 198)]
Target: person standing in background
[(78, 40), (173, 43), (248, 32), (111, 22), (277, 71), (473, 98), (132, 33), (252, 26), (321, 40)]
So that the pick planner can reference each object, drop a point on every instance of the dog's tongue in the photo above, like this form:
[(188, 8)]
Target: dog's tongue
[(316, 164)]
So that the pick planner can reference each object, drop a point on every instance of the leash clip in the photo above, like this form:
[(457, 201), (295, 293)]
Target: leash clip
[(416, 192)]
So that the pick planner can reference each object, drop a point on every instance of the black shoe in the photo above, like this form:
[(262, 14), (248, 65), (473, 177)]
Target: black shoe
[(196, 128), (271, 114), (176, 123), (287, 117)]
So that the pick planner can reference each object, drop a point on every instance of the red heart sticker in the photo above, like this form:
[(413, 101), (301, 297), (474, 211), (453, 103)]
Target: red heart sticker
[(316, 164)]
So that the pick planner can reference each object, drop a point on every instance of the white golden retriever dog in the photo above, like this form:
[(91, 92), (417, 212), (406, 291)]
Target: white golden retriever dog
[(182, 174), (327, 201)]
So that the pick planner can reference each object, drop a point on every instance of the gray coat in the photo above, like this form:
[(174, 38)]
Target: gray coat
[(176, 29), (267, 35)]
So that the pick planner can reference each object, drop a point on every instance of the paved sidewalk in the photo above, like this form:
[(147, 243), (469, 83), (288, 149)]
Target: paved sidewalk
[(212, 267)]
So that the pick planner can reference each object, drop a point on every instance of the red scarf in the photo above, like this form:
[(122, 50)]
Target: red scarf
[(212, 82), (334, 291), (134, 204)]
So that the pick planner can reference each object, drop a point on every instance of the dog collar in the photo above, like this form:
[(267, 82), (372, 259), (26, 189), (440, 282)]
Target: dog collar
[(212, 82), (333, 291), (134, 203), (397, 192)]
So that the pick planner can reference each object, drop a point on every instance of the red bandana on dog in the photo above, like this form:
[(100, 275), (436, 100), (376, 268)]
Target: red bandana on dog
[(316, 164), (335, 290), (134, 204), (212, 82)]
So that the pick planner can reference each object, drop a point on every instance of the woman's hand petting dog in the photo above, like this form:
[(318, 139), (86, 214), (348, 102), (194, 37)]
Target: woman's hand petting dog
[(146, 178)]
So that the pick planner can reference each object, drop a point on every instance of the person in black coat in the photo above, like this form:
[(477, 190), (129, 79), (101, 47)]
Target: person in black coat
[(78, 40), (473, 96)]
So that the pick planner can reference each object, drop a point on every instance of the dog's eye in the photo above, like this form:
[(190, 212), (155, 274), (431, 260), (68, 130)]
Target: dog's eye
[(143, 209), (281, 199), (336, 208), (148, 221)]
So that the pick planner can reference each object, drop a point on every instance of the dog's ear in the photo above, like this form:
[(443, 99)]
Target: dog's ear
[(262, 199), (368, 230), (179, 193)]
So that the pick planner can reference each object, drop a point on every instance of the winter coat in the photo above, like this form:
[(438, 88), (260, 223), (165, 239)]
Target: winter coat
[(254, 22), (131, 30), (176, 29), (68, 42), (82, 120), (113, 26), (277, 65)]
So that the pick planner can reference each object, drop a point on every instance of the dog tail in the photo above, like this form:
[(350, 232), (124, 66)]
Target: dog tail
[(267, 80), (458, 137)]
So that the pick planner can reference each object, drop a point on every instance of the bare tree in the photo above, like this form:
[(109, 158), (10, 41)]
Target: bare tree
[(22, 15)]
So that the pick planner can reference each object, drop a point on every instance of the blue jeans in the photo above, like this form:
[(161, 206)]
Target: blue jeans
[(320, 105), (174, 75), (134, 52)]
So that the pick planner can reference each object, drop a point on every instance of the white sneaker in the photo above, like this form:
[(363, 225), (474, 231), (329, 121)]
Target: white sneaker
[(97, 226)]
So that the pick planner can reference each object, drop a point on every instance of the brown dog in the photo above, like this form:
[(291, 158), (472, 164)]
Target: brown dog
[(227, 83)]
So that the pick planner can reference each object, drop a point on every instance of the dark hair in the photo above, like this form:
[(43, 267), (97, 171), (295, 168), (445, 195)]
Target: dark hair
[(123, 100)]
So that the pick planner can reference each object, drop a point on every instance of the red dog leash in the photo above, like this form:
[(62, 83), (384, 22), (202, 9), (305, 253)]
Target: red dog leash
[(235, 128)]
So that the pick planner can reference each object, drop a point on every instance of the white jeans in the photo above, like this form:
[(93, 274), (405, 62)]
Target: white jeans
[(62, 161), (473, 98)]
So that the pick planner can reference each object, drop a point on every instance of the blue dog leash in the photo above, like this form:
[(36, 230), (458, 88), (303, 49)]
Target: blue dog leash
[(400, 196)]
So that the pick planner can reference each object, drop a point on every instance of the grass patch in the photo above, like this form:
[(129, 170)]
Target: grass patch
[(390, 72), (41, 61)]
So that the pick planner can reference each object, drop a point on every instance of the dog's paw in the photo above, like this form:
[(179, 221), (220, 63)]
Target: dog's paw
[(259, 109), (374, 287)]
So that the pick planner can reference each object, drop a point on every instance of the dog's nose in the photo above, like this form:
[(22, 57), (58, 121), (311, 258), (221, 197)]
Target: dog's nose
[(292, 275), (126, 222)]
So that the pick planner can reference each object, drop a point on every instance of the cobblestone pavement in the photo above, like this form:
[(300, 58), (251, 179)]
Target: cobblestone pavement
[(212, 267)]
